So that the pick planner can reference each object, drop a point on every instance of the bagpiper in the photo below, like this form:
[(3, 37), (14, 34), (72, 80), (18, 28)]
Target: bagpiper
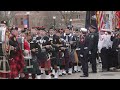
[(68, 41), (34, 47), (43, 53), (16, 59)]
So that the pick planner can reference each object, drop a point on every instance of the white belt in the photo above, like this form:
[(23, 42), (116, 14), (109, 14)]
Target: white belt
[(85, 47), (77, 48)]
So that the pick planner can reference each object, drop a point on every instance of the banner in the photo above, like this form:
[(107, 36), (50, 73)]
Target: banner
[(25, 22)]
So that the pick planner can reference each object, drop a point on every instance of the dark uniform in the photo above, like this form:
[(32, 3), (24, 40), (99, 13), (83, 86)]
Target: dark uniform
[(69, 52), (16, 58), (116, 52), (82, 46), (44, 54), (55, 59), (93, 48), (33, 45)]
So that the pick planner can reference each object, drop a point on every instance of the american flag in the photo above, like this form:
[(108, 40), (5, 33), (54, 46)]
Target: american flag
[(117, 19), (25, 22), (100, 19)]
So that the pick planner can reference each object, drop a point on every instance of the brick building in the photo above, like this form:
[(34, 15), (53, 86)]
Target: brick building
[(45, 18)]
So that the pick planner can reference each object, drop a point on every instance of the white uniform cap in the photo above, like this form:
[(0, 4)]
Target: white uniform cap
[(83, 29)]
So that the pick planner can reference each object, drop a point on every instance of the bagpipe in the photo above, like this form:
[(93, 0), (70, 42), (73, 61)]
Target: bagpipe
[(4, 50)]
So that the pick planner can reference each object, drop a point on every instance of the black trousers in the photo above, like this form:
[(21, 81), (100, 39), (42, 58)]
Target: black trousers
[(84, 63), (114, 58), (92, 59), (105, 58), (118, 57)]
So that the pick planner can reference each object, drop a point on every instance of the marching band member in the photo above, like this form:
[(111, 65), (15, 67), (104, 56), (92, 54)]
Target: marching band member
[(68, 41), (43, 53), (16, 56), (34, 47), (55, 60), (77, 64)]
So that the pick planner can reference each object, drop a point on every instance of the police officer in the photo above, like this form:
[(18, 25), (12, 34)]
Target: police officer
[(93, 47)]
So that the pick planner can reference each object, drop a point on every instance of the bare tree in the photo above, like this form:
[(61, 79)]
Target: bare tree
[(7, 16), (67, 15)]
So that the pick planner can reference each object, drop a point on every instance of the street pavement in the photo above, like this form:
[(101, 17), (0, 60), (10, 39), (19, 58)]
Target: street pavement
[(98, 75)]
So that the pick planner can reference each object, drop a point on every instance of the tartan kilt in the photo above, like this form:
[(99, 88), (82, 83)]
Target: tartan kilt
[(35, 69), (72, 56), (16, 65), (4, 75), (45, 64), (14, 69)]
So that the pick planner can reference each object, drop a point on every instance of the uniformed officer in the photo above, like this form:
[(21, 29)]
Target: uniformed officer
[(93, 47), (82, 47)]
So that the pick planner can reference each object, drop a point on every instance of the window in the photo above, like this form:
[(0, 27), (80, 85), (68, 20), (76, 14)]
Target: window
[(21, 21), (16, 21), (78, 16)]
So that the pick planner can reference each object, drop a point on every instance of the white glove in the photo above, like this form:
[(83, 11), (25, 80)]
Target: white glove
[(89, 52), (81, 55), (119, 46)]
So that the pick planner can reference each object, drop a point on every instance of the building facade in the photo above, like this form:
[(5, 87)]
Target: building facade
[(45, 18)]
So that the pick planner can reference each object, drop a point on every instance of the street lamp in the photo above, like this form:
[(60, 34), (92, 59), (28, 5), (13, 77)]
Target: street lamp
[(70, 23), (28, 13), (54, 17)]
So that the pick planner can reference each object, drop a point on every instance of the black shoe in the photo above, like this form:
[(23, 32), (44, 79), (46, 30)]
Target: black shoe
[(84, 76), (63, 74), (60, 75), (94, 72), (22, 78), (69, 74), (74, 72), (52, 75)]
